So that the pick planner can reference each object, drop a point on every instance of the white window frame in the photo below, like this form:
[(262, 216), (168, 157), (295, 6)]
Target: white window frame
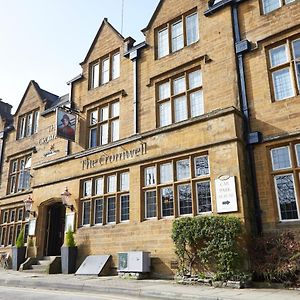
[(277, 198), (195, 167), (197, 199), (107, 210), (95, 201), (161, 201), (178, 198), (82, 217), (145, 203), (124, 221), (273, 169)]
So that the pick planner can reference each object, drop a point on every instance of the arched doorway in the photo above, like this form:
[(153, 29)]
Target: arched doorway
[(55, 228)]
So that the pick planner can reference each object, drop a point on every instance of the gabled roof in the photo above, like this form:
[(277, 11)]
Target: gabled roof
[(158, 7), (44, 95), (104, 22)]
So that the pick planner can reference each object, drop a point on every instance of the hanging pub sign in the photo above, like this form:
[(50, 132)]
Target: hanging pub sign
[(65, 124), (226, 194)]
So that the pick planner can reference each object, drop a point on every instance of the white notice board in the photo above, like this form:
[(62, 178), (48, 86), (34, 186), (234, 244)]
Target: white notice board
[(226, 194), (70, 219), (31, 227)]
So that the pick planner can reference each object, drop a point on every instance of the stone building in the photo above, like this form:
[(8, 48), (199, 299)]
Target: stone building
[(189, 122)]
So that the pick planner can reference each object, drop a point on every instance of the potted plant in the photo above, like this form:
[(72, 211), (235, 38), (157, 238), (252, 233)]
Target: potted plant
[(68, 254), (18, 251)]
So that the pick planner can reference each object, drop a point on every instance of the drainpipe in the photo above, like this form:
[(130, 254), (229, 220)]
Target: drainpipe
[(251, 138), (3, 135), (134, 57)]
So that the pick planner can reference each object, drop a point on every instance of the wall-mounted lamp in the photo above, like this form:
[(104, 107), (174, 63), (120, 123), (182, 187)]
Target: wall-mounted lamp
[(28, 205), (65, 196)]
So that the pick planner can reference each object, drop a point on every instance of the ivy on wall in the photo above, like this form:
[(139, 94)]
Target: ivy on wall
[(208, 245)]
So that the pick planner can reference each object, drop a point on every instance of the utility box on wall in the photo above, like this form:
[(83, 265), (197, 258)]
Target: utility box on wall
[(134, 261)]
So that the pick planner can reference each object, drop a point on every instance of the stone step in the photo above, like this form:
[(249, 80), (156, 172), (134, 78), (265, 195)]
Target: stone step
[(39, 267)]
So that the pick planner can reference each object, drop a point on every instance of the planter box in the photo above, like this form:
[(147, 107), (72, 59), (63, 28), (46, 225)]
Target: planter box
[(18, 257), (68, 260)]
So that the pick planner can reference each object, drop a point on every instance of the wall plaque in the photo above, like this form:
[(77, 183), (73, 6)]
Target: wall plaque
[(70, 218), (226, 194), (31, 227)]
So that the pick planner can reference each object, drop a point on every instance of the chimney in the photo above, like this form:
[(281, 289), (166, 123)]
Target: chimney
[(128, 44)]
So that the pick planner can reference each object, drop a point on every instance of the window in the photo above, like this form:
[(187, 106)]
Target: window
[(12, 221), (98, 211), (285, 172), (203, 197), (104, 125), (284, 62), (150, 176), (87, 188), (86, 212), (124, 208), (270, 5), (182, 94), (111, 210), (19, 174), (28, 124), (105, 69), (95, 76), (182, 32), (124, 181), (167, 201), (176, 185), (150, 204), (109, 199)]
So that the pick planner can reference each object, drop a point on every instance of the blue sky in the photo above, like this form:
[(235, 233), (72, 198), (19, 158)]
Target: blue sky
[(45, 40)]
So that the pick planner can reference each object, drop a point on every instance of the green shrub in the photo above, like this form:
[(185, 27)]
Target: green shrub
[(208, 245), (275, 257), (69, 241), (20, 239)]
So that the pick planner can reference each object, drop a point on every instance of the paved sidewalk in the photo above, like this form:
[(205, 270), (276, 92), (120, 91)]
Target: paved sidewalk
[(159, 289)]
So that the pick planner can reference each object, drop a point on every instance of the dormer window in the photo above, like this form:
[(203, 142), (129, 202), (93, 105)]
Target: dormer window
[(105, 69), (28, 124), (177, 34)]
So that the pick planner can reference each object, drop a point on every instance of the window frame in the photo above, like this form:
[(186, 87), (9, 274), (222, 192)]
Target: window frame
[(99, 123), (117, 194), (111, 74), (281, 4), (126, 220), (10, 227), (293, 171), (186, 94), (197, 197), (24, 125), (191, 181), (14, 174), (290, 65), (169, 27)]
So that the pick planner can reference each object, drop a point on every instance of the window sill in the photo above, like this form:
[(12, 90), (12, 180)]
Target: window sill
[(287, 223)]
